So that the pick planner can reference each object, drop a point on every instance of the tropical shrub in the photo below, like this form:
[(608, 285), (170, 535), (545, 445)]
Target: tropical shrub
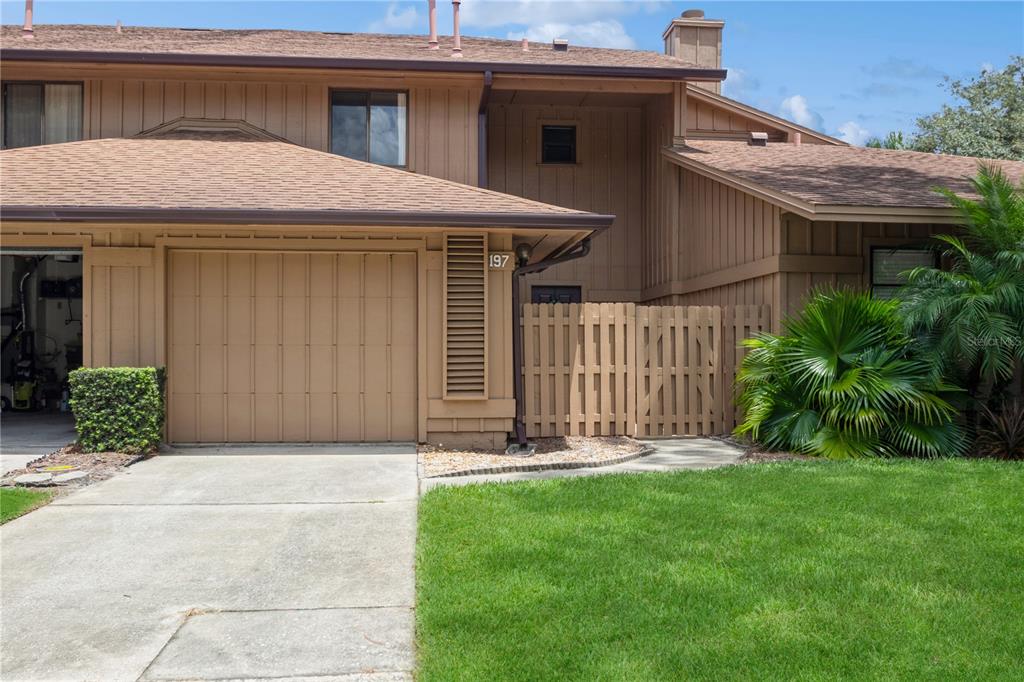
[(117, 408), (971, 315), (844, 381), (1001, 434)]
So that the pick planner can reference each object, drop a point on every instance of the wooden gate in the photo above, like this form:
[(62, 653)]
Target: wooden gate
[(621, 369)]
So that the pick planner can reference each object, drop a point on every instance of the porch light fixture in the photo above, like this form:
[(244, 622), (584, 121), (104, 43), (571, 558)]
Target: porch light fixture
[(523, 253)]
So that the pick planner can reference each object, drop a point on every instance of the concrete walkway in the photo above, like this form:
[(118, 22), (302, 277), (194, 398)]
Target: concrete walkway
[(670, 454), (281, 563)]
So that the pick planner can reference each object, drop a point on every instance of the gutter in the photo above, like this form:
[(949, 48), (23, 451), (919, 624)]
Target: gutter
[(481, 130), (75, 214), (281, 61), (518, 385)]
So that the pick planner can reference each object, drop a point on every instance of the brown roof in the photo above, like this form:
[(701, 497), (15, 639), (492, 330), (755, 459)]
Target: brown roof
[(231, 175), (839, 175), (343, 50)]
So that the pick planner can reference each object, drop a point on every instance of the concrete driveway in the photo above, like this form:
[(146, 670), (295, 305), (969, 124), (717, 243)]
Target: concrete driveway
[(25, 436), (283, 563)]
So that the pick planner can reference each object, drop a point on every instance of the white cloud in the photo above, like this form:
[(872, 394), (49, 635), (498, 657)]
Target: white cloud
[(739, 84), (396, 21), (592, 34), (853, 133), (795, 109), (491, 13)]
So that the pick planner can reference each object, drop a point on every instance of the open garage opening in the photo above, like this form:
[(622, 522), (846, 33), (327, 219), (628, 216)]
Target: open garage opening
[(41, 316)]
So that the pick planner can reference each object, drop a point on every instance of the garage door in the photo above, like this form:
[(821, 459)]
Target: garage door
[(291, 347)]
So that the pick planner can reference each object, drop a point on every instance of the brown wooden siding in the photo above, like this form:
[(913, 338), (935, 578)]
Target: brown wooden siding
[(442, 117), (126, 297), (736, 249), (607, 179)]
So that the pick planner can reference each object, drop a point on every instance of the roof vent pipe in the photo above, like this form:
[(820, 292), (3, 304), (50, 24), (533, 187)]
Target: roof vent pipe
[(26, 30), (560, 45), (432, 14), (117, 27), (456, 38), (526, 44), (797, 139)]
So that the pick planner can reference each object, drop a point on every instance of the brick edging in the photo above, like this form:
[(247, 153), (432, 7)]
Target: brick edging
[(546, 466)]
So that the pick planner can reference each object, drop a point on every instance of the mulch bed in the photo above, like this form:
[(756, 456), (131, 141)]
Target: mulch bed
[(551, 453), (98, 466)]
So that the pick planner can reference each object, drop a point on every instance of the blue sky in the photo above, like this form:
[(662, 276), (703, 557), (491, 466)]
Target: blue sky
[(851, 69)]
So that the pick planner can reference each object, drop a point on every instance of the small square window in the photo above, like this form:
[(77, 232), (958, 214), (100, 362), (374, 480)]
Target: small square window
[(558, 144), (555, 294), (889, 265)]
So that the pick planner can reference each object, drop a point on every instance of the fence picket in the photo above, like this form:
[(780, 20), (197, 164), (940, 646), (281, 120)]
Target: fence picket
[(614, 368)]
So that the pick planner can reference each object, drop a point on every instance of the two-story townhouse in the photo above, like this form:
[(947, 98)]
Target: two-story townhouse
[(325, 237)]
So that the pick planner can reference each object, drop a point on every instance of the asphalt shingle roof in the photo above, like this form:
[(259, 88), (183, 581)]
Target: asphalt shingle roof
[(318, 45), (845, 176), (228, 170)]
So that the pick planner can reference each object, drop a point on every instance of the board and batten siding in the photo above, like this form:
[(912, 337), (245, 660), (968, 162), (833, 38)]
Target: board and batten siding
[(736, 249), (125, 304), (607, 179), (442, 120), (442, 114)]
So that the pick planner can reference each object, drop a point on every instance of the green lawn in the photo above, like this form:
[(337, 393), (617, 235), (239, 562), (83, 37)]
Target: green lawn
[(17, 501), (796, 571)]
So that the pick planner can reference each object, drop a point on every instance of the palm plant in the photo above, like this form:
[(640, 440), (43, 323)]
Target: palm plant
[(971, 316), (844, 381)]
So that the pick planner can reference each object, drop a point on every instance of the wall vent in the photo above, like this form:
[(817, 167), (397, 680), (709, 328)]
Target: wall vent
[(465, 316)]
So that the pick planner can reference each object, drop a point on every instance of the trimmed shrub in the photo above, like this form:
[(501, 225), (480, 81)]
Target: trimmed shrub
[(117, 408)]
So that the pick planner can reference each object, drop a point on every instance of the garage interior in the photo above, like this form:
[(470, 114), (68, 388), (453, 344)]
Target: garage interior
[(41, 328)]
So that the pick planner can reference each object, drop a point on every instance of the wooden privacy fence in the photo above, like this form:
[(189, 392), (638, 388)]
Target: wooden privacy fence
[(602, 369)]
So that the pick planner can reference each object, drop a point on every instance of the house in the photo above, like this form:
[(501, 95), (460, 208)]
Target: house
[(326, 237)]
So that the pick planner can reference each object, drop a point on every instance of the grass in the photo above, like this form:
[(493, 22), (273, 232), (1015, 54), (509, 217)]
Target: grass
[(17, 501), (876, 570)]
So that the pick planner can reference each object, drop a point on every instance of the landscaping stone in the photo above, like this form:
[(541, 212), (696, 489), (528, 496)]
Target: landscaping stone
[(33, 479), (70, 476)]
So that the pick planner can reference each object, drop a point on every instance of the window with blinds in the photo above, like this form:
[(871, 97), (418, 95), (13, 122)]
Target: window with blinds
[(41, 113), (889, 266), (465, 316)]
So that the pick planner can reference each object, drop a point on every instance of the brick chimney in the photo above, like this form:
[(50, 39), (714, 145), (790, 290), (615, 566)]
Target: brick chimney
[(697, 40)]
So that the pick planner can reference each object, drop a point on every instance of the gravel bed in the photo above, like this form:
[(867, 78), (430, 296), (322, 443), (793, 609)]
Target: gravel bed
[(68, 463), (760, 456), (561, 452)]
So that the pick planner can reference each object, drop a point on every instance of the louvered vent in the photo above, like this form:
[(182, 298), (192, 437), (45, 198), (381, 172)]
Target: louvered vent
[(465, 316)]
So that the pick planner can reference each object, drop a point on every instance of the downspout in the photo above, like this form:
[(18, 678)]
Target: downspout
[(481, 131), (518, 385)]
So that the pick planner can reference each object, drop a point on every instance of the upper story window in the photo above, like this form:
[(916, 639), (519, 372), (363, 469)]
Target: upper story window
[(888, 266), (369, 126), (41, 113), (558, 144)]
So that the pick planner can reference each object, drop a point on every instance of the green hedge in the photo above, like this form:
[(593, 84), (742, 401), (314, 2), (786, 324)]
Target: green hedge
[(118, 408)]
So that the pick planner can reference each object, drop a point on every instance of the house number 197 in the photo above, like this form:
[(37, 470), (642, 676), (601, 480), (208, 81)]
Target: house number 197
[(499, 261)]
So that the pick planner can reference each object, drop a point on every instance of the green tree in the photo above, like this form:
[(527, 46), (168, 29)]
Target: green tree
[(844, 380), (970, 316), (894, 140), (988, 123)]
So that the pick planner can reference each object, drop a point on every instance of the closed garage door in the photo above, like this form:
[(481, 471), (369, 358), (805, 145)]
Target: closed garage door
[(291, 347)]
